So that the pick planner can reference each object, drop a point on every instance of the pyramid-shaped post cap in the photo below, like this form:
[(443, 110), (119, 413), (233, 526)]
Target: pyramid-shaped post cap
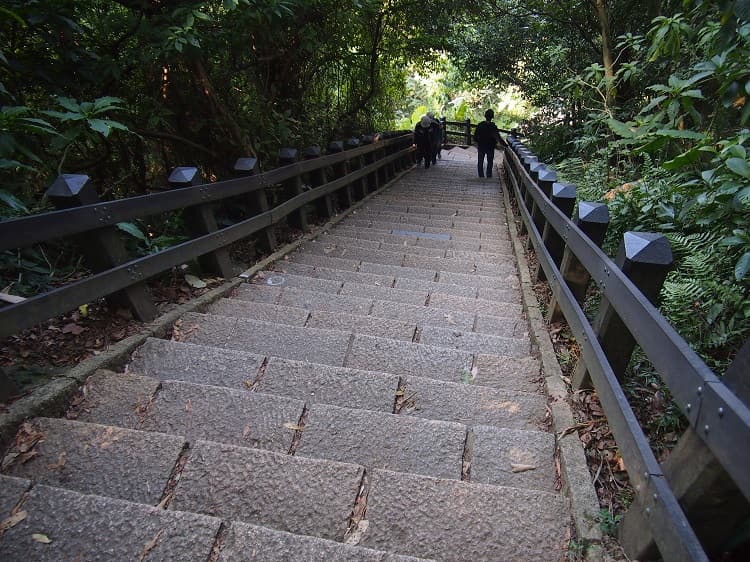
[(647, 247), (335, 146), (589, 211), (548, 175), (538, 167), (530, 159), (246, 166), (287, 155), (564, 190), (185, 176), (311, 152), (68, 186), (352, 143), (368, 139)]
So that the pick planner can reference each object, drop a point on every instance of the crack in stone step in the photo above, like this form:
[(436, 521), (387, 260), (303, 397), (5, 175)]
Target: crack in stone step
[(221, 537), (297, 437), (174, 477), (467, 456), (253, 386), (358, 520)]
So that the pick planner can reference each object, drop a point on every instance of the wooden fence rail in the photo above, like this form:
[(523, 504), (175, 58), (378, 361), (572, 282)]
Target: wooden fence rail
[(351, 175), (569, 256)]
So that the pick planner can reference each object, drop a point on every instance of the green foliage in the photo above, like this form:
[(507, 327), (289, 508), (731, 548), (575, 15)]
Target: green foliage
[(608, 522)]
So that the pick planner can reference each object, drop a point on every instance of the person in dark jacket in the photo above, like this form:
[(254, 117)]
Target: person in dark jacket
[(423, 141), (486, 136), (436, 133)]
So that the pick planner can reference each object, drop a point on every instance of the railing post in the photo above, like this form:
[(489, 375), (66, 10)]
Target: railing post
[(324, 205), (545, 179), (257, 203), (467, 132), (102, 248), (564, 198), (359, 186), (593, 220), (528, 200), (372, 179), (645, 258), (200, 220), (340, 170), (293, 187), (443, 130), (712, 502)]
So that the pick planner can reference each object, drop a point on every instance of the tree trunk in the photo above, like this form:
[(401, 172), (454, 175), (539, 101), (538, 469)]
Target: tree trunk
[(602, 13)]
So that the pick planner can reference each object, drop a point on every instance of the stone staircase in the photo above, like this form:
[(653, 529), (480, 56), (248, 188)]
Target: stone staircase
[(370, 397)]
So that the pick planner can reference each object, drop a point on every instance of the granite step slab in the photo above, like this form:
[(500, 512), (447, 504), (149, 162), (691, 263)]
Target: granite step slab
[(324, 261), (463, 521), (406, 296), (303, 299), (220, 414), (287, 493), (496, 451), (387, 237), (367, 325), (398, 271), (322, 384), (248, 543), (283, 267), (511, 373), (509, 281), (475, 342), (273, 279), (12, 490), (471, 267), (199, 364), (415, 250), (406, 358), (301, 344), (476, 306), (260, 311), (471, 404), (98, 459), (102, 529), (430, 287), (423, 315), (352, 253), (380, 440), (332, 237)]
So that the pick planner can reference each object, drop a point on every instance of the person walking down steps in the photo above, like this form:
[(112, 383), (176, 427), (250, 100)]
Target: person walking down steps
[(423, 140), (486, 136)]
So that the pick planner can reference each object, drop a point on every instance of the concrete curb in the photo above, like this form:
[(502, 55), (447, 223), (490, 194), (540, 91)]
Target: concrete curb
[(52, 399), (577, 483)]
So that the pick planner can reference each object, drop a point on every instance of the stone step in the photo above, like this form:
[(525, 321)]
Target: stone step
[(337, 386), (362, 300), (89, 527), (199, 364), (220, 414), (273, 279), (95, 459), (496, 450), (387, 237), (288, 493), (12, 490), (450, 520), (510, 345), (405, 358), (351, 253), (379, 440), (283, 267), (301, 344), (248, 543), (470, 404)]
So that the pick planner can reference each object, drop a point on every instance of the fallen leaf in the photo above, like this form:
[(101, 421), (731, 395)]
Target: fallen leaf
[(356, 536), (246, 433), (189, 405), (60, 462), (521, 467), (12, 521), (39, 537), (195, 282), (293, 426), (73, 328)]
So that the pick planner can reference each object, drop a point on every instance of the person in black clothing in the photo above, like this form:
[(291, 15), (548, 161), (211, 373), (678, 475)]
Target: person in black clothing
[(486, 136), (437, 136), (423, 141)]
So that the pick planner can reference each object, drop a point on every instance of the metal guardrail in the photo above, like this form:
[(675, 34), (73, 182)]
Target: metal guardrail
[(717, 415), (356, 172)]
